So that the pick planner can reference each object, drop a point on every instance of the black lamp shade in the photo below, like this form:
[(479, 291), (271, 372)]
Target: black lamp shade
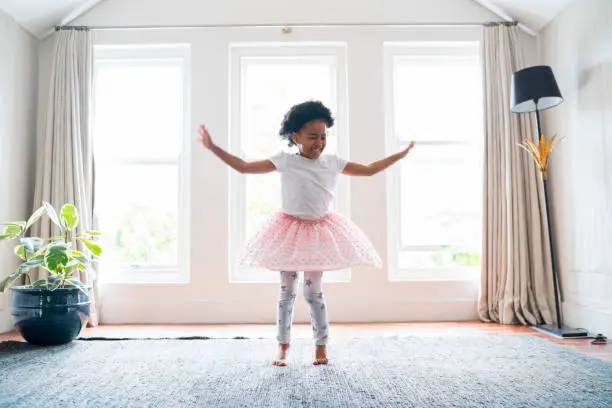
[(534, 88)]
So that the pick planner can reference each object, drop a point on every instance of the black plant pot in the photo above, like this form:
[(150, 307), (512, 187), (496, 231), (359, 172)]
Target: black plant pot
[(45, 317)]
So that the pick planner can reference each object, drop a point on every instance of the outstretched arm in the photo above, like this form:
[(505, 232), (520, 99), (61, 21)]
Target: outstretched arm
[(236, 163), (356, 169)]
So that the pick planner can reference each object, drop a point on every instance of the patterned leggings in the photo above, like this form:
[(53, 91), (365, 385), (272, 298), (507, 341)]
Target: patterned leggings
[(313, 293)]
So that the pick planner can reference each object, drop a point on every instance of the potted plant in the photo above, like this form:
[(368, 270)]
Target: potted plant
[(52, 310)]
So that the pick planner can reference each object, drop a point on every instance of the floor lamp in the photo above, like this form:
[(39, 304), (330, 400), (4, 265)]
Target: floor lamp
[(535, 89)]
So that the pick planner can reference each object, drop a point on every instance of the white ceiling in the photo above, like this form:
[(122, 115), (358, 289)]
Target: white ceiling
[(534, 14), (40, 16)]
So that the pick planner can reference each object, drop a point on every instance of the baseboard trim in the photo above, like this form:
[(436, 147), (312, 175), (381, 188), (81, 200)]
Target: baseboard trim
[(254, 313), (593, 319), (6, 325)]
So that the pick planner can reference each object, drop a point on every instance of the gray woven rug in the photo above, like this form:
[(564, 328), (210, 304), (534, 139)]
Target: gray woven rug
[(467, 371)]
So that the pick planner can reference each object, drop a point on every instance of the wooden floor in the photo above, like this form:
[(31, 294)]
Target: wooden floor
[(584, 346)]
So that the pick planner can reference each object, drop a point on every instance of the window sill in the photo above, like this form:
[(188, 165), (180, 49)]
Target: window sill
[(145, 277), (433, 275), (264, 276)]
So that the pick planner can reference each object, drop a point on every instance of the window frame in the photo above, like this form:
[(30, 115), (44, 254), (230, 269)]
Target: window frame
[(162, 54), (391, 52), (332, 51)]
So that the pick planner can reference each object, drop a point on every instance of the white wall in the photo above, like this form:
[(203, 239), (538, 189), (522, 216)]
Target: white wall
[(578, 46), (209, 297), (18, 83), (189, 12)]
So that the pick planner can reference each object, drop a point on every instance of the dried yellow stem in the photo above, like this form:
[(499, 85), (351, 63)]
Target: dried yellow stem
[(540, 153)]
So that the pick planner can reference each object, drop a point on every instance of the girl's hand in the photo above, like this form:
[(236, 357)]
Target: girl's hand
[(356, 169), (205, 137), (407, 150)]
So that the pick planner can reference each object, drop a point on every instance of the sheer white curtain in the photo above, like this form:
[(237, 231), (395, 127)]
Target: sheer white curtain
[(516, 266), (65, 155)]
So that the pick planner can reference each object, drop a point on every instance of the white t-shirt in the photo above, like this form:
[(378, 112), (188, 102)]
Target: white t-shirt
[(308, 186)]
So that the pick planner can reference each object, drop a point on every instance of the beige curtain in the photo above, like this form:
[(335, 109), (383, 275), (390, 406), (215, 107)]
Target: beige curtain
[(65, 155), (516, 276)]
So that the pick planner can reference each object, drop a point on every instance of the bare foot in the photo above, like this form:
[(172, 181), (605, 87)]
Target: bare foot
[(320, 355), (282, 355)]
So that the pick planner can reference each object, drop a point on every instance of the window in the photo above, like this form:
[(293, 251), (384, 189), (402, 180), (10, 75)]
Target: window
[(265, 82), (141, 156), (435, 195)]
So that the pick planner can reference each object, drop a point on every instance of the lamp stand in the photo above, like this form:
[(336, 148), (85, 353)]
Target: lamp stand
[(558, 329)]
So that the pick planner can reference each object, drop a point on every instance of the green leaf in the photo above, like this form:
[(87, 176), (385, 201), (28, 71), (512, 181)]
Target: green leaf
[(40, 255), (74, 253), (35, 217), (80, 257), (62, 244), (78, 284), (70, 214), (39, 283), (93, 233), (54, 282), (20, 252), (6, 282), (82, 261), (92, 246), (56, 257), (81, 267), (23, 269), (14, 229), (32, 244), (52, 214), (32, 263)]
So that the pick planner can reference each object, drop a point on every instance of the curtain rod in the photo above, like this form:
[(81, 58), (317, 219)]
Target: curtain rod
[(273, 25)]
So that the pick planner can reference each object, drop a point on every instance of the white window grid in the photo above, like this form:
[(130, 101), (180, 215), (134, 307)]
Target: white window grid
[(391, 52), (158, 55)]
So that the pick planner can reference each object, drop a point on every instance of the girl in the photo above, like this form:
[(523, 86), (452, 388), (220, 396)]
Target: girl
[(306, 235)]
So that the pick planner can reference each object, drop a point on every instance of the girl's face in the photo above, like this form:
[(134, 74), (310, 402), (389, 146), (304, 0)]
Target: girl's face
[(311, 139)]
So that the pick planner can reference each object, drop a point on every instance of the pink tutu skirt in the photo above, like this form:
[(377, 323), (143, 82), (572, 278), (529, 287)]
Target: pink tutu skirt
[(287, 243)]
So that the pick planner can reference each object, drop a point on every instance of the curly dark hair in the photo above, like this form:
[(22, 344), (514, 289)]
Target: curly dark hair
[(301, 114)]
